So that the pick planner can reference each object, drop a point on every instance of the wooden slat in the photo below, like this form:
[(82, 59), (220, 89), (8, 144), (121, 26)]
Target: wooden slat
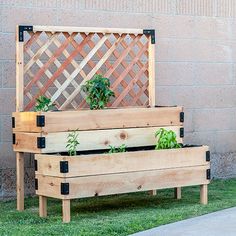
[(98, 119), (87, 29), (89, 186), (91, 140), (95, 164), (19, 73), (20, 183), (151, 73)]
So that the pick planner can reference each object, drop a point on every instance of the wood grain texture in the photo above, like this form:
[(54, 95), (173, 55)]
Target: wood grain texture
[(89, 186), (91, 140), (98, 164)]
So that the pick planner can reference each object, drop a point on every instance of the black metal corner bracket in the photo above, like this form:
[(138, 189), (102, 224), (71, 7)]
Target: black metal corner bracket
[(41, 142), (64, 167), (36, 184), (13, 138), (23, 28), (181, 132), (35, 165), (208, 173), (208, 156), (65, 188), (40, 121), (150, 32), (13, 122), (181, 116)]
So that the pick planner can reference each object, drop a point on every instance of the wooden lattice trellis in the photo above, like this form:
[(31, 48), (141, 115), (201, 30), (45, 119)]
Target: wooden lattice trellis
[(57, 61)]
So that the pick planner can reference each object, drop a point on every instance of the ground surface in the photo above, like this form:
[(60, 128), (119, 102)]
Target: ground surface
[(115, 215), (213, 224)]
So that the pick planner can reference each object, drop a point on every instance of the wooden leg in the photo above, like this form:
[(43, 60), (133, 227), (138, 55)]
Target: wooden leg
[(20, 180), (178, 193), (42, 206), (203, 194), (66, 210), (153, 192)]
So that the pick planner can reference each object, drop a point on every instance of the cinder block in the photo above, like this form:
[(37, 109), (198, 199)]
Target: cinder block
[(213, 73), (225, 141), (214, 119), (7, 46), (71, 4), (12, 16), (7, 156), (44, 16), (164, 96), (174, 73), (174, 26), (210, 28), (201, 138), (6, 128), (195, 7), (8, 74), (7, 101)]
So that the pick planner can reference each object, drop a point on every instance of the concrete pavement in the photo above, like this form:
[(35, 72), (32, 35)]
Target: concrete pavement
[(214, 224)]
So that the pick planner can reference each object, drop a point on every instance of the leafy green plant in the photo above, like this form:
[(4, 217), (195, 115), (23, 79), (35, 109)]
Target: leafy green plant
[(43, 104), (98, 92), (121, 148), (72, 142), (166, 139)]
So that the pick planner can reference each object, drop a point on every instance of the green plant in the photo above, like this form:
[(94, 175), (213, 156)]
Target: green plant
[(121, 148), (166, 139), (43, 104), (72, 142), (98, 92)]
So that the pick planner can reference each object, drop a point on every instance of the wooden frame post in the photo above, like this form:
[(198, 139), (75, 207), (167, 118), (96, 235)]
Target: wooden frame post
[(151, 80), (66, 210), (19, 107), (204, 194), (42, 206), (177, 192)]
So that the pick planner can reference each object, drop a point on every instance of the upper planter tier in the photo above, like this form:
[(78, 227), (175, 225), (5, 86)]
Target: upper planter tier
[(96, 119)]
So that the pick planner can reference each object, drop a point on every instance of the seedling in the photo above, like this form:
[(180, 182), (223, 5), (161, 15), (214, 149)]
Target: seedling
[(72, 142), (43, 104), (166, 139), (121, 148), (98, 92)]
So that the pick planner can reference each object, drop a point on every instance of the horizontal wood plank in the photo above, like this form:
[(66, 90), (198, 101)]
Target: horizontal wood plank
[(91, 140), (97, 164), (80, 187), (98, 119), (86, 29)]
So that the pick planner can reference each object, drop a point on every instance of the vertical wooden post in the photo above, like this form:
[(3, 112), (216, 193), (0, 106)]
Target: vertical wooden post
[(151, 80), (204, 194), (177, 192), (42, 206), (19, 107), (66, 210), (20, 180)]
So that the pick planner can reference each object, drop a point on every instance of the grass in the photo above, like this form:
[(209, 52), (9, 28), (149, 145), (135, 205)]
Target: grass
[(115, 215)]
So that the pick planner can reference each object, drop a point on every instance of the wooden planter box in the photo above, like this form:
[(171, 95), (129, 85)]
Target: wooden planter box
[(81, 176), (46, 132)]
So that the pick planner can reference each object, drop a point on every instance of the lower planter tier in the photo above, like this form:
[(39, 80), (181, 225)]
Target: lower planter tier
[(82, 176)]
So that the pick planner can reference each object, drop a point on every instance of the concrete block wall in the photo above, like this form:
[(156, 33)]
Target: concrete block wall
[(195, 65)]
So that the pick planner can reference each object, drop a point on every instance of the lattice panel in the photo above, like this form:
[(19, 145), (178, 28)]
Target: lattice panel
[(57, 63)]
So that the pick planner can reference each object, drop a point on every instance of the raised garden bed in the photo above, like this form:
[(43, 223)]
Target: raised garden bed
[(46, 132), (66, 177)]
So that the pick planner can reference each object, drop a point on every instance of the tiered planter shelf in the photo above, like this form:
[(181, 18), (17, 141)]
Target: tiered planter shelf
[(56, 62)]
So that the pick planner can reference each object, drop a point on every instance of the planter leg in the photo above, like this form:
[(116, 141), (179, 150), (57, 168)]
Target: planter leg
[(203, 194), (20, 180), (66, 210), (42, 206), (153, 192), (178, 193)]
